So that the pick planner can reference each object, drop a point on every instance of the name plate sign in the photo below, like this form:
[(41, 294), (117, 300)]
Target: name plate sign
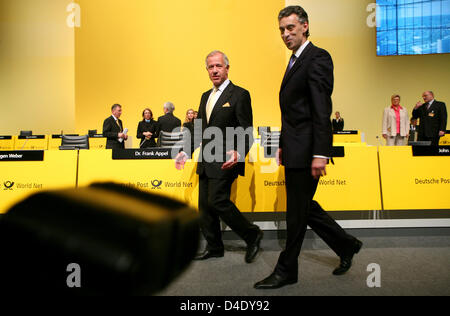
[(147, 153), (23, 155)]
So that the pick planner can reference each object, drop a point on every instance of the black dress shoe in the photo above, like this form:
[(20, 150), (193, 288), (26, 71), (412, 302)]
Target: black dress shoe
[(208, 254), (274, 281), (346, 261), (253, 248)]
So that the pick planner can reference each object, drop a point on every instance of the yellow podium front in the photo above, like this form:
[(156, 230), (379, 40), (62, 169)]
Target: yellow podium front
[(18, 179), (414, 183), (97, 142), (346, 137), (351, 184), (155, 175)]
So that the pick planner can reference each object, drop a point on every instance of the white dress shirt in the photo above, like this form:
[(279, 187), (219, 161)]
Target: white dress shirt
[(300, 50)]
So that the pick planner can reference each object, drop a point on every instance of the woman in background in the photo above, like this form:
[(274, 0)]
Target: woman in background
[(395, 123), (189, 125), (148, 130)]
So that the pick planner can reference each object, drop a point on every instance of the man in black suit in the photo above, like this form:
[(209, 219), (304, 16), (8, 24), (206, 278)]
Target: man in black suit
[(168, 122), (113, 129), (305, 147), (338, 123), (433, 118), (222, 160)]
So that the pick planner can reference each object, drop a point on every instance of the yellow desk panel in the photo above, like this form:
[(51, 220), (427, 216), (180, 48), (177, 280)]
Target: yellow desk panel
[(413, 183), (57, 170), (7, 144), (156, 176), (349, 144), (31, 144), (161, 177), (351, 184)]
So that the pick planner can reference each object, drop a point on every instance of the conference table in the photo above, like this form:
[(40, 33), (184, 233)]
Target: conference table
[(362, 178)]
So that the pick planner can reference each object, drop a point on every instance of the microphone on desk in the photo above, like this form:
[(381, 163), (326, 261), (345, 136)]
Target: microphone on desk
[(26, 141)]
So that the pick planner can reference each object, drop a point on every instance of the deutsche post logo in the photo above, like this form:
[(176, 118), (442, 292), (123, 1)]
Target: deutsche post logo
[(156, 184), (8, 185)]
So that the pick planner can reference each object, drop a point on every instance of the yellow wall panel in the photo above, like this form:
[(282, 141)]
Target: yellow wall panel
[(349, 185), (37, 79), (143, 53)]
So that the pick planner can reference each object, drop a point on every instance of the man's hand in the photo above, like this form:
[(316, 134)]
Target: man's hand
[(318, 167), (180, 160), (385, 136), (441, 133), (418, 105), (278, 156), (232, 161), (121, 135)]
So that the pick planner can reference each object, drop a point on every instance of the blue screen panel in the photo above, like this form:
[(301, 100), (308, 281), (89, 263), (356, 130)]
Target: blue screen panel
[(413, 27)]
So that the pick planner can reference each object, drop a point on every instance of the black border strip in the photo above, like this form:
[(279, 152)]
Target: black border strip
[(22, 155)]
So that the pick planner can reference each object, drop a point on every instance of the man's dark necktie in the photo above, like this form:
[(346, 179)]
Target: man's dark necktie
[(291, 63)]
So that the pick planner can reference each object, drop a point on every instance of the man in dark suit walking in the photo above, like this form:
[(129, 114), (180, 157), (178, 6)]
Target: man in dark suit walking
[(305, 147), (433, 118), (222, 160), (168, 122), (113, 129)]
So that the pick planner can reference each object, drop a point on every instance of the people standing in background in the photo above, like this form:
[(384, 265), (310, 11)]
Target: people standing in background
[(168, 122), (147, 130), (113, 129), (433, 118), (395, 127), (338, 123)]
